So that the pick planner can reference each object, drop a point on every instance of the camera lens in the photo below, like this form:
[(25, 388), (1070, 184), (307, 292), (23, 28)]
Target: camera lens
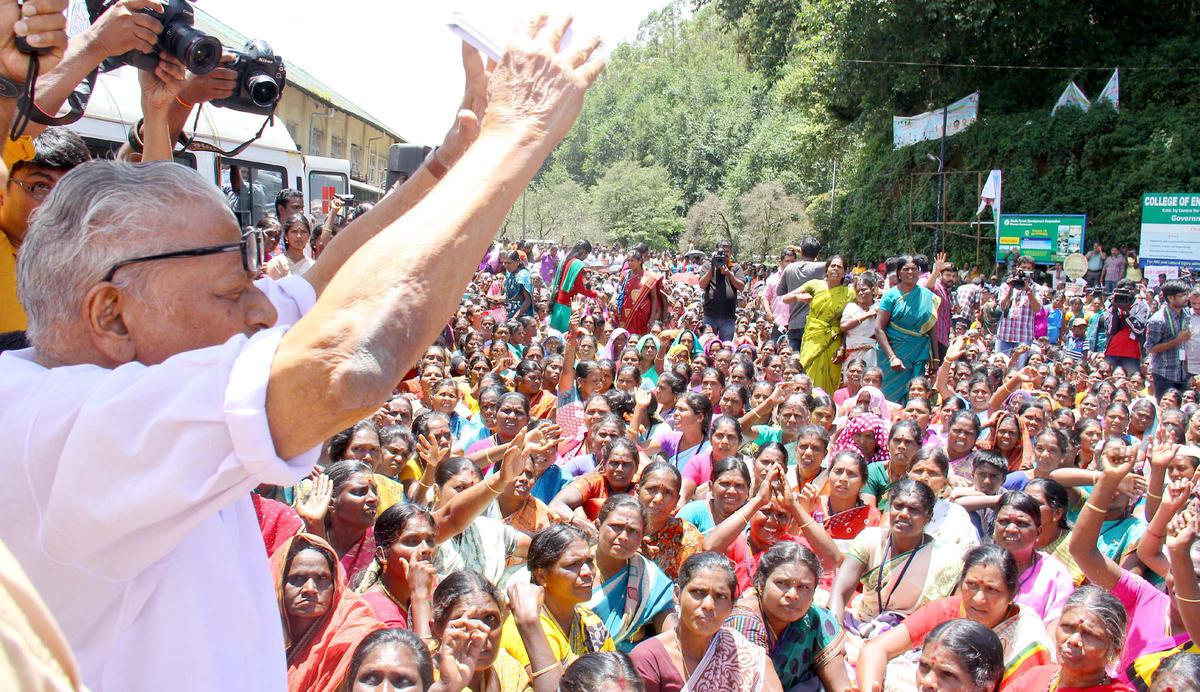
[(198, 51), (264, 91)]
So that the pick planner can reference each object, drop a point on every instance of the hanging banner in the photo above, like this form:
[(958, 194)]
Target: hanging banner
[(990, 196), (928, 126), (1170, 230), (1047, 238), (1111, 92), (1072, 97)]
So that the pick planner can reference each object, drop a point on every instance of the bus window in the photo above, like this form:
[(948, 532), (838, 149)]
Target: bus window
[(106, 149), (250, 188), (318, 182)]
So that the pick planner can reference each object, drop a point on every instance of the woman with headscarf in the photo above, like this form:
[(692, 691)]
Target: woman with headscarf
[(617, 341), (648, 348), (323, 620), (568, 282)]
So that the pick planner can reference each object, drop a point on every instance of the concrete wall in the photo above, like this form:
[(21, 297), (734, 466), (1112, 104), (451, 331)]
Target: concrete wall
[(317, 135)]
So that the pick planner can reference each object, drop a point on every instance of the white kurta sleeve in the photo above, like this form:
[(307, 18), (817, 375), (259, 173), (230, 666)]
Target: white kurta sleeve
[(292, 296), (130, 460)]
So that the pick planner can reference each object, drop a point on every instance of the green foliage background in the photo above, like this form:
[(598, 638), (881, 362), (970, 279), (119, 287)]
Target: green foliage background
[(727, 95)]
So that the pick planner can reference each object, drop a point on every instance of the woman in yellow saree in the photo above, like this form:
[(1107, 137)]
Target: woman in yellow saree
[(823, 333)]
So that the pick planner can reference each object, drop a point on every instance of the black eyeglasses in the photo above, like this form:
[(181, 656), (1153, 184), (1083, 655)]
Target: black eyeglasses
[(252, 247)]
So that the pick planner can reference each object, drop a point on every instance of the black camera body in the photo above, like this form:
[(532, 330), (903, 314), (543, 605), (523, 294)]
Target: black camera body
[(1020, 278), (199, 52), (261, 76), (720, 259), (1123, 298)]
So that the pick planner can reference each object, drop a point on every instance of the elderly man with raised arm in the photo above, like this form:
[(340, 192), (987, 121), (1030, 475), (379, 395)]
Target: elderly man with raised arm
[(164, 383)]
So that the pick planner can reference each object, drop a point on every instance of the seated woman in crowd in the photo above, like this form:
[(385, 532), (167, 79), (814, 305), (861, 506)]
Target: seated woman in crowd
[(323, 620), (668, 540), (729, 489), (399, 585), (805, 642), (699, 652), (842, 511), (693, 414), (725, 437), (950, 522), (1055, 533), (466, 605), (986, 594), (900, 568), (561, 566), (903, 443), (1045, 582), (1088, 638), (588, 493), (341, 509), (960, 655), (601, 672), (607, 427), (630, 594)]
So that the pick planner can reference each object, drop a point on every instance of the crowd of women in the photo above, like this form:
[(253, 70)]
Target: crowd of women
[(582, 487)]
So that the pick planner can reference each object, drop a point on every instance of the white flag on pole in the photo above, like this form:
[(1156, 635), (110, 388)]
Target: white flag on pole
[(990, 196), (1111, 92), (1072, 97)]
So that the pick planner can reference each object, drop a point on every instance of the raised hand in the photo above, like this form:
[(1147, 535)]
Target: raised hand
[(525, 600), (1162, 453), (463, 641), (123, 28), (1176, 496), (516, 459), (1182, 530), (642, 398), (542, 439), (314, 507), (470, 111), (536, 92), (160, 87), (1119, 461), (431, 451)]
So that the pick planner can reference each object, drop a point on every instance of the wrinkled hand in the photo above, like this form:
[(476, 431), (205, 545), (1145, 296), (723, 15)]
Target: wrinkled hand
[(783, 390), (536, 91), (160, 87), (525, 601), (470, 111), (124, 28), (642, 398), (43, 25), (314, 507)]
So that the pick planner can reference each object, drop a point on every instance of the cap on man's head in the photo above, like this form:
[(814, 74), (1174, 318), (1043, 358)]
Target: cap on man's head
[(1078, 322)]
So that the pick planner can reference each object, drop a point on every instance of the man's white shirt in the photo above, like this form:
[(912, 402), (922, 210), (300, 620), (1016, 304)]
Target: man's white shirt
[(127, 500)]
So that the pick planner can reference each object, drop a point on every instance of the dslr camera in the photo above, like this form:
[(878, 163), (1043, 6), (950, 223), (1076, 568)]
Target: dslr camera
[(1122, 297), (261, 76), (1020, 278), (720, 259), (199, 52)]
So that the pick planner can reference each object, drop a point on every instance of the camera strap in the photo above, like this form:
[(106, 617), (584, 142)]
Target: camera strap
[(193, 144), (77, 103)]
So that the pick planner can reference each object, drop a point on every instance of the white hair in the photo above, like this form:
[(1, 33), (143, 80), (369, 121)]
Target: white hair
[(99, 214)]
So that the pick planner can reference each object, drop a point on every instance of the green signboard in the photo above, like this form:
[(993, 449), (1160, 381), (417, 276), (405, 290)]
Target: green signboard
[(1047, 238), (1170, 229)]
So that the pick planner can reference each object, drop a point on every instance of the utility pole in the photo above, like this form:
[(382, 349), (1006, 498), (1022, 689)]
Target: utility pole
[(941, 199)]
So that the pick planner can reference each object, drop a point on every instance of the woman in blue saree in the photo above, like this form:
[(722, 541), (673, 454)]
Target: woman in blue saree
[(907, 314), (633, 597)]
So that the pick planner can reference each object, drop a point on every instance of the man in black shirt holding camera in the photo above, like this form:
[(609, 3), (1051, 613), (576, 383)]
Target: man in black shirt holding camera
[(721, 284)]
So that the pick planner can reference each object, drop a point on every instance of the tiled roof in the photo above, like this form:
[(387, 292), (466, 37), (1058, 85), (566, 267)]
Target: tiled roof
[(297, 76)]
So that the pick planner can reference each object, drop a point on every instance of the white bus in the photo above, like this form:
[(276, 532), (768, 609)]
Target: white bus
[(251, 179)]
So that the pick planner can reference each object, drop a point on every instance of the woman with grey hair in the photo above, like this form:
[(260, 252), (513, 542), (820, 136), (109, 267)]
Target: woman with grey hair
[(1090, 636)]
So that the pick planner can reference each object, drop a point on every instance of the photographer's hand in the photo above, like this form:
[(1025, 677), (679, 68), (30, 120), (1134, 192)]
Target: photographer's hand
[(159, 90), (123, 28), (43, 25)]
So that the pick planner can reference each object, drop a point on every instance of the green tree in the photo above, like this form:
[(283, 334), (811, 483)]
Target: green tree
[(636, 204), (707, 222), (772, 218)]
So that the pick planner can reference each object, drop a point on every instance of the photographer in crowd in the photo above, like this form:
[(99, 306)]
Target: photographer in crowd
[(721, 283), (164, 383), (1019, 302)]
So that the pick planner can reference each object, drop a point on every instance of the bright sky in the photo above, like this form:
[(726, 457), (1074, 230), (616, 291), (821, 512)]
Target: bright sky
[(395, 58)]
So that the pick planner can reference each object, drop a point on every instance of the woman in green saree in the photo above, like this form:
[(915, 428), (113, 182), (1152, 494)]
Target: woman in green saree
[(568, 281), (822, 333), (907, 314)]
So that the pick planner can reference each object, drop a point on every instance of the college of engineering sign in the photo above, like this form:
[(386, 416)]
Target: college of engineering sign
[(1170, 229)]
